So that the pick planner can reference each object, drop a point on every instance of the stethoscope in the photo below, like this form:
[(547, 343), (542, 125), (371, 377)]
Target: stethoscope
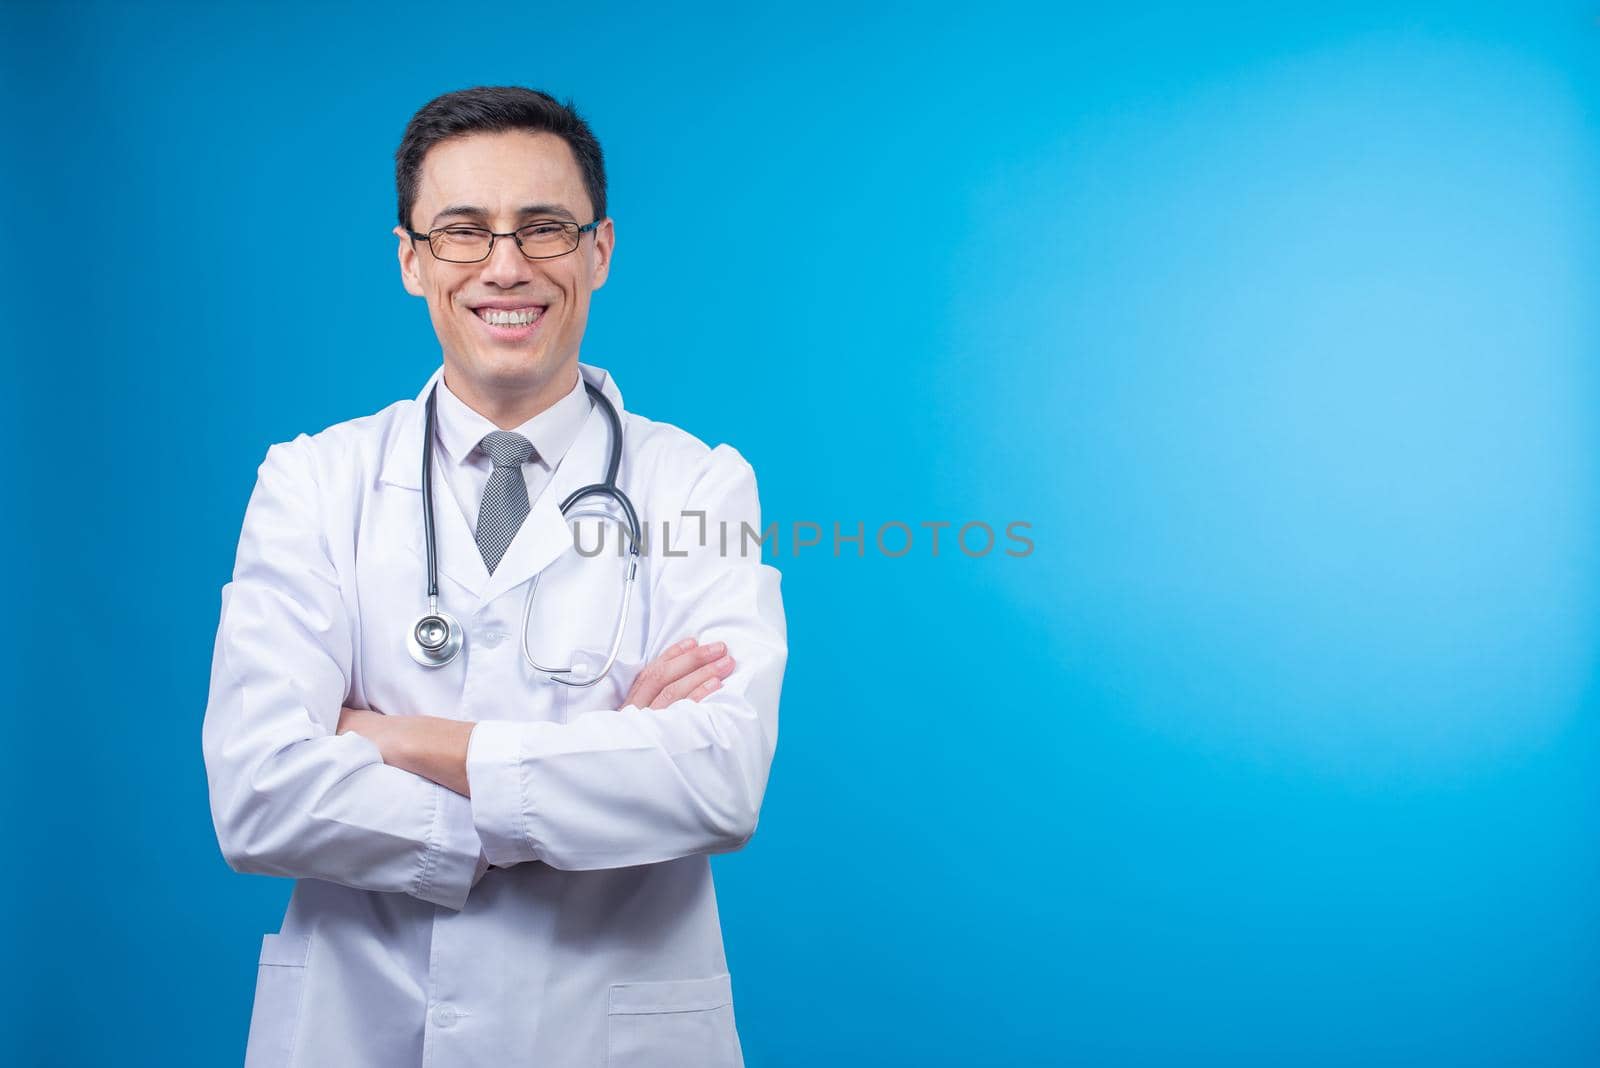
[(436, 637)]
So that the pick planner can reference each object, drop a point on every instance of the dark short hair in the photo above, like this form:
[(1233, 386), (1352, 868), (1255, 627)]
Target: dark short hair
[(495, 109)]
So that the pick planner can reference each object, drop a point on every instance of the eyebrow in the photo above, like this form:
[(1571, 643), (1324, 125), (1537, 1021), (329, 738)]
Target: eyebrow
[(470, 211)]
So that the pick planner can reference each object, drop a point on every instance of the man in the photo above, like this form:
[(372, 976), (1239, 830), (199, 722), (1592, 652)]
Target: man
[(494, 868)]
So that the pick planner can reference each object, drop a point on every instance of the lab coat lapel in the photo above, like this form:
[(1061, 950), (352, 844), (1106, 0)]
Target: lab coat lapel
[(544, 534), (457, 548)]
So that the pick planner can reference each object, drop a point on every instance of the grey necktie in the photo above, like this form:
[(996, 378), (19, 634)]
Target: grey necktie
[(505, 498)]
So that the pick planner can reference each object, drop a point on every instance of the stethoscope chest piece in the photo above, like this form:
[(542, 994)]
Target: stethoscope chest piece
[(435, 639)]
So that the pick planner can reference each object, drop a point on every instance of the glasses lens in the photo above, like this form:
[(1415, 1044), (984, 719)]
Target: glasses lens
[(461, 244), (548, 238)]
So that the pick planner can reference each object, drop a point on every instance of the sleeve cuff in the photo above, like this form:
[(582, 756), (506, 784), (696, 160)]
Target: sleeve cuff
[(453, 862), (499, 802)]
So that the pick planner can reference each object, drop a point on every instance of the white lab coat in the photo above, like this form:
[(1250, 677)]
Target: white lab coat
[(596, 939)]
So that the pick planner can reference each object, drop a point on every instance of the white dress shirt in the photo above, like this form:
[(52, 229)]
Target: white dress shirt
[(467, 467)]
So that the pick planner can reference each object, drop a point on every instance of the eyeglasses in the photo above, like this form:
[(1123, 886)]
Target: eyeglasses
[(541, 240)]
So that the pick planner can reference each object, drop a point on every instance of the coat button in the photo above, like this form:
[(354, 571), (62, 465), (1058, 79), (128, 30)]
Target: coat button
[(491, 638), (444, 1015)]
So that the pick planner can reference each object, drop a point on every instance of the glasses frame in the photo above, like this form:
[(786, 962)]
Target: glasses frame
[(493, 236)]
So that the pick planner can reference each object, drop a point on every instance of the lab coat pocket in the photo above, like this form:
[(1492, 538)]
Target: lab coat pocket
[(280, 977), (673, 1022)]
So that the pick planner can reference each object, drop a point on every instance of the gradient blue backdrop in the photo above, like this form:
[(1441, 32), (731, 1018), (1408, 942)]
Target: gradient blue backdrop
[(1280, 749)]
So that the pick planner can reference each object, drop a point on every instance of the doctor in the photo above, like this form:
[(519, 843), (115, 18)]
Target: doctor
[(494, 868)]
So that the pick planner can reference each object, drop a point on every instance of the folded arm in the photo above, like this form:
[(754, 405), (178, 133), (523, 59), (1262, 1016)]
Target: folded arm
[(638, 785), (436, 748), (289, 796)]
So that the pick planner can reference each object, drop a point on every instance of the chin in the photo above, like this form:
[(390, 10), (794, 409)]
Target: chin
[(513, 366)]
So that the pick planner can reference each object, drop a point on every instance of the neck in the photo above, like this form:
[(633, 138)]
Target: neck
[(508, 405)]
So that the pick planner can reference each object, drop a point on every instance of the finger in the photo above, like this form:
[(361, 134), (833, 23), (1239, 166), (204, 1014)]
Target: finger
[(675, 667), (649, 681), (697, 684), (669, 668), (692, 684)]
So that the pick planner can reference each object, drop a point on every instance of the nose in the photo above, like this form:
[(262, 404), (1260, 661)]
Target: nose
[(506, 265)]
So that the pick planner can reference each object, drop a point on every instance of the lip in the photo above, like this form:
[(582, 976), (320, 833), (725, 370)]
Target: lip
[(509, 333)]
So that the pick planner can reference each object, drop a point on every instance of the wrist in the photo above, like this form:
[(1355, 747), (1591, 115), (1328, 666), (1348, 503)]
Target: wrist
[(399, 744)]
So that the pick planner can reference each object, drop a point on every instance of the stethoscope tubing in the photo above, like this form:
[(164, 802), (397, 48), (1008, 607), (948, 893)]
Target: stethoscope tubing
[(436, 638)]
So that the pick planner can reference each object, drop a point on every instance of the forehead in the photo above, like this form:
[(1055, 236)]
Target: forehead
[(500, 172)]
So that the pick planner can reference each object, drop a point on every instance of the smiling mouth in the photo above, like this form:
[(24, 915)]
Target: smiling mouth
[(510, 317)]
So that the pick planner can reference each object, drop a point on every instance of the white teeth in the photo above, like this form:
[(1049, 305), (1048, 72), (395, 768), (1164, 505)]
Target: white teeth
[(502, 317)]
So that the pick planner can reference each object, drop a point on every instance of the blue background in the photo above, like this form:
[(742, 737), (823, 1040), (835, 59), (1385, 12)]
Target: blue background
[(1279, 328)]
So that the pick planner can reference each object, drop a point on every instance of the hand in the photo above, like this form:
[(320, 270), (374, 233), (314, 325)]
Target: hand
[(685, 670)]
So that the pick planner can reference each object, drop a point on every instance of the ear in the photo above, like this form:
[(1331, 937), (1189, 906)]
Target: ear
[(605, 238), (410, 275)]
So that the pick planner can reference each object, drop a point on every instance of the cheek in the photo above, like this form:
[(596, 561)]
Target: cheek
[(574, 302), (445, 312)]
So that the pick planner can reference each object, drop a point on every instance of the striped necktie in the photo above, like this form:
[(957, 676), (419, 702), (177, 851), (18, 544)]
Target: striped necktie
[(505, 498)]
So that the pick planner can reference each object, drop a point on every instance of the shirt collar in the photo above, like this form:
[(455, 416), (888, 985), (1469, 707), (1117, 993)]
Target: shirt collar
[(552, 431)]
